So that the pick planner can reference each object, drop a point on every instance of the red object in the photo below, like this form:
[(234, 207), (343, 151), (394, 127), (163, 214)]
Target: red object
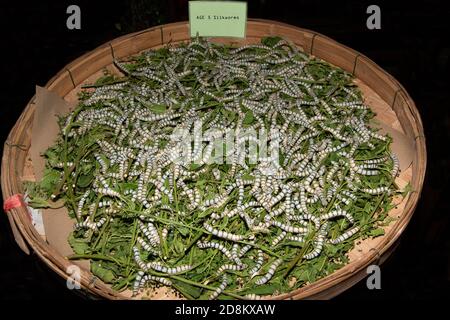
[(14, 201)]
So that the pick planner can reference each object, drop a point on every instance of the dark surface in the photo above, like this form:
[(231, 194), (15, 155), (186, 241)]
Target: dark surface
[(412, 45)]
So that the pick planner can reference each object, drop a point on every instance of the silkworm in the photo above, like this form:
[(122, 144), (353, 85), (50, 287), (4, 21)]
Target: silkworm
[(318, 243), (137, 282), (151, 233), (147, 247), (149, 277), (175, 270), (164, 234), (344, 236), (252, 296), (258, 264), (216, 173), (244, 250), (220, 289), (337, 213), (273, 267), (376, 161), (296, 238), (379, 190), (231, 267), (81, 203), (137, 258), (94, 226), (288, 228), (223, 234), (108, 192), (278, 238), (396, 165), (310, 217), (216, 245)]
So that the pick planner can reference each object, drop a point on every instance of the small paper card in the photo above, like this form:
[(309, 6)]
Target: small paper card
[(217, 18)]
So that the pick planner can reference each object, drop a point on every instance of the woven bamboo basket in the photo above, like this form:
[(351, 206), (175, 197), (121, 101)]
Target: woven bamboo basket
[(382, 92)]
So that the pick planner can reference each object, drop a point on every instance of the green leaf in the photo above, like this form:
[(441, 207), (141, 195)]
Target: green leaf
[(79, 246), (158, 108), (122, 284), (248, 118), (85, 180), (407, 189), (104, 274), (294, 244), (87, 168), (270, 41), (388, 221), (51, 156), (50, 180), (179, 248), (376, 232), (282, 157), (331, 250), (165, 200), (183, 230), (192, 291), (200, 183), (104, 79), (229, 115), (205, 213), (194, 166), (38, 202), (304, 276), (264, 289)]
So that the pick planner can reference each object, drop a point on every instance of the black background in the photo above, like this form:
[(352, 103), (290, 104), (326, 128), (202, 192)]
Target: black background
[(412, 45)]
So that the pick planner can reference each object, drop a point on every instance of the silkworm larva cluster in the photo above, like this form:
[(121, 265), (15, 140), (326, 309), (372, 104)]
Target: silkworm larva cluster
[(305, 174)]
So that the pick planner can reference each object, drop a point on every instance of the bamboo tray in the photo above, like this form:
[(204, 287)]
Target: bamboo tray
[(393, 105)]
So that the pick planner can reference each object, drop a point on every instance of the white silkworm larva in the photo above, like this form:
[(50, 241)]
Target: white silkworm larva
[(94, 226), (396, 165), (231, 267), (223, 234), (318, 244), (151, 233), (337, 213), (310, 217), (278, 238), (252, 296), (379, 190), (164, 233), (81, 203), (258, 264), (108, 192), (220, 289), (376, 161), (296, 238), (216, 245), (344, 236), (288, 228), (137, 258), (266, 278), (147, 247), (137, 282), (149, 277), (175, 270), (244, 250)]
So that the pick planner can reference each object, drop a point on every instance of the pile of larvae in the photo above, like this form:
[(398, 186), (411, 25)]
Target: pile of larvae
[(156, 209)]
